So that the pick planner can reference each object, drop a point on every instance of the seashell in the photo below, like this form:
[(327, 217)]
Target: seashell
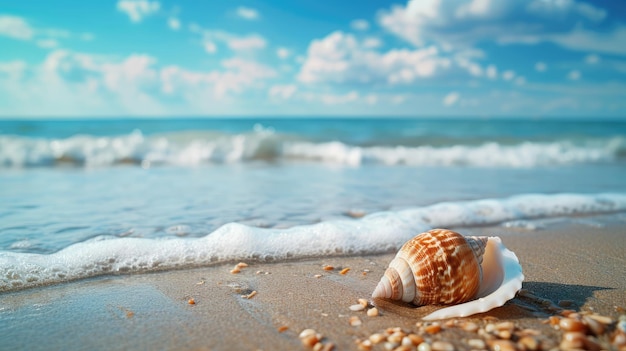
[(442, 267)]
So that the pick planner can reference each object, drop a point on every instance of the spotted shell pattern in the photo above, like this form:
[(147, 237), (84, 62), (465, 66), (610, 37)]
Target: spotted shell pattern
[(443, 267)]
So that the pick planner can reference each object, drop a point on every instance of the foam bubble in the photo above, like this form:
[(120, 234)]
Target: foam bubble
[(374, 233)]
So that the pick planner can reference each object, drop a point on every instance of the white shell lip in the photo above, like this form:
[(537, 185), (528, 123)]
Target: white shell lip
[(502, 279)]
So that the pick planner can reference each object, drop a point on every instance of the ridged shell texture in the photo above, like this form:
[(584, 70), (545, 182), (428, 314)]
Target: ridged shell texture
[(436, 267)]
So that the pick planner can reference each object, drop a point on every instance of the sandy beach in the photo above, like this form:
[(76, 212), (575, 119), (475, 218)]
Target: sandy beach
[(265, 307)]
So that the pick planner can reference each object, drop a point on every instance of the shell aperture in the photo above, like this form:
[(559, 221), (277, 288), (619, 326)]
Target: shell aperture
[(442, 267)]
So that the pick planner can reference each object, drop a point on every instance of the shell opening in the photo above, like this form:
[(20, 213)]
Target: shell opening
[(502, 279)]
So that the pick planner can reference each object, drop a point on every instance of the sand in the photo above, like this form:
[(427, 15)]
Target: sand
[(582, 262)]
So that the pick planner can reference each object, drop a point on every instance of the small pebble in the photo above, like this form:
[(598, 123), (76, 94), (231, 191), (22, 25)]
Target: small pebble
[(377, 338), (396, 337), (528, 343), (365, 345), (282, 328), (317, 276), (424, 347), (328, 268), (356, 308), (191, 302), (415, 339), (406, 341), (433, 329), (318, 346), (505, 326), (442, 346), (570, 324), (372, 312), (573, 341), (355, 321), (235, 270), (307, 332), (470, 326), (504, 334), (478, 344), (502, 345), (363, 302), (310, 340), (241, 265)]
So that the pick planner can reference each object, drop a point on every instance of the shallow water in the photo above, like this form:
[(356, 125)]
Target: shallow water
[(67, 183)]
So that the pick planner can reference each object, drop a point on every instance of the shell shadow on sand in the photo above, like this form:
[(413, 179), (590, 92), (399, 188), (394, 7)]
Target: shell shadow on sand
[(535, 300)]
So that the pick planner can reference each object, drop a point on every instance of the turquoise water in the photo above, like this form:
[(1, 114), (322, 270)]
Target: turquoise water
[(96, 197)]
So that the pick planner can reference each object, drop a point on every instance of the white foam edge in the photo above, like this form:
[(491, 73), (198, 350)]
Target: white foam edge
[(509, 285), (375, 233)]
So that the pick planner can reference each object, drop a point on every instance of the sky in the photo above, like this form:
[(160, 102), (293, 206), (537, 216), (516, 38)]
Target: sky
[(153, 58)]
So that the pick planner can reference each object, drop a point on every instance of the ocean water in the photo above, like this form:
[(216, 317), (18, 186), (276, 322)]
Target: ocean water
[(91, 197)]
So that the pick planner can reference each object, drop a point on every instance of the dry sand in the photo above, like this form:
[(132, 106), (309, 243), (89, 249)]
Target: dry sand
[(581, 263)]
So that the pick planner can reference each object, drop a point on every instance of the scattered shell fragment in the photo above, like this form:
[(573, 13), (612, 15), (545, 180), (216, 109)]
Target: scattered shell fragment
[(356, 308), (251, 295), (354, 321), (191, 301), (433, 328), (363, 302), (442, 346), (344, 271), (485, 274), (328, 268), (372, 312), (317, 276), (235, 270), (242, 265), (282, 328)]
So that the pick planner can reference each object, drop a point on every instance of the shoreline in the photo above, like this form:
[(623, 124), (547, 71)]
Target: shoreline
[(581, 266)]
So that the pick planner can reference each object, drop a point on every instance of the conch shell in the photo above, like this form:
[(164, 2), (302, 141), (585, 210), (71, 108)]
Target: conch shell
[(442, 267)]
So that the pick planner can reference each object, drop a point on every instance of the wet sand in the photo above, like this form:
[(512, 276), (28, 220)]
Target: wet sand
[(582, 264)]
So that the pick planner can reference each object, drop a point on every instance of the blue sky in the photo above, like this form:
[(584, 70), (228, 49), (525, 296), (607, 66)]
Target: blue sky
[(535, 58)]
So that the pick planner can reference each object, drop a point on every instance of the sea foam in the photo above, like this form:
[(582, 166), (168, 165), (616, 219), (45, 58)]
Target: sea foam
[(375, 233), (195, 148)]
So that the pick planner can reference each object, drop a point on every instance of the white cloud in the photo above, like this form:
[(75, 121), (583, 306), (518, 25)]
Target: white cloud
[(592, 59), (138, 9), (332, 99), (360, 24), (508, 75), (464, 23), (573, 75), (283, 53), (15, 27), (451, 98), (173, 23), (541, 66), (234, 42), (210, 47), (47, 43), (559, 9), (520, 81), (73, 83), (492, 72), (585, 40), (282, 91), (247, 13), (251, 42), (372, 43), (340, 58)]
